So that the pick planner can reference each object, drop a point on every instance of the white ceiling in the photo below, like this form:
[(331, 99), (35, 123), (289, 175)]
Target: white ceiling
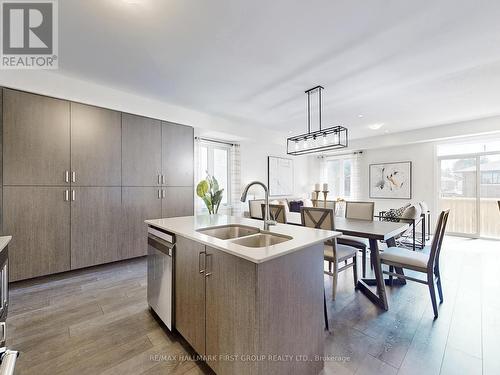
[(405, 63)]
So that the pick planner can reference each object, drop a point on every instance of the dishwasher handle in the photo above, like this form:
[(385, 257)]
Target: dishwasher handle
[(161, 245)]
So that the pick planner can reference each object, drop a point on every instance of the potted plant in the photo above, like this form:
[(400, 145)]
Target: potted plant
[(208, 190)]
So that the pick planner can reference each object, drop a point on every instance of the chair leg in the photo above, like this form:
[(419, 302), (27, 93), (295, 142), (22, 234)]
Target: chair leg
[(335, 279), (430, 283), (363, 259), (391, 269), (330, 267), (438, 283)]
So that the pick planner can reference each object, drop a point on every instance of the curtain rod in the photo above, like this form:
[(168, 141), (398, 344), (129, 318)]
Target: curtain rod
[(215, 141)]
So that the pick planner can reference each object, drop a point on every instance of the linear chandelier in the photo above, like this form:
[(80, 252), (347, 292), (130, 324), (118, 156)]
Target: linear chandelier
[(319, 140)]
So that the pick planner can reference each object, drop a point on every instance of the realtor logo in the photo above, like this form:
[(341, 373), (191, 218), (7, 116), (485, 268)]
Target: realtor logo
[(29, 34)]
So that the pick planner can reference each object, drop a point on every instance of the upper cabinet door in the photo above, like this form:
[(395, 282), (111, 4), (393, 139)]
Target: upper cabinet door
[(178, 154), (141, 148), (36, 131), (95, 146)]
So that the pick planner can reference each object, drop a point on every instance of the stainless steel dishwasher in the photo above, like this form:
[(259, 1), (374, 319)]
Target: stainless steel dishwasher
[(161, 245)]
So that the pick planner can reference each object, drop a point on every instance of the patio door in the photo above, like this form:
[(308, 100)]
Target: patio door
[(470, 188)]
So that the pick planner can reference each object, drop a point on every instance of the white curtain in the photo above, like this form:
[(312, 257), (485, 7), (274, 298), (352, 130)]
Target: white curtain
[(235, 179), (199, 206), (356, 176)]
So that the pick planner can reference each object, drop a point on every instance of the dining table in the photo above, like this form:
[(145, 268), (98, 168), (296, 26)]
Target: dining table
[(374, 231)]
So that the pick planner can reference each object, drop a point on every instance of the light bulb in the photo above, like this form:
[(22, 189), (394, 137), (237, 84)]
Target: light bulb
[(335, 138), (296, 145), (305, 145), (325, 139)]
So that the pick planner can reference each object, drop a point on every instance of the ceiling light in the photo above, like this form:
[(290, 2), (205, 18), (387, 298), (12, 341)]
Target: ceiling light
[(375, 126), (361, 116), (320, 140)]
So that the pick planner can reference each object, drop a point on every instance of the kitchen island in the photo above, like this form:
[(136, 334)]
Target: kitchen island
[(248, 301)]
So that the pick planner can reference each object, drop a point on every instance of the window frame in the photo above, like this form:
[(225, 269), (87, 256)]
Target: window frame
[(211, 147), (341, 191)]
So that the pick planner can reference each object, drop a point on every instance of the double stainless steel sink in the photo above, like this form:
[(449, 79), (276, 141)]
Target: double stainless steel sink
[(244, 235)]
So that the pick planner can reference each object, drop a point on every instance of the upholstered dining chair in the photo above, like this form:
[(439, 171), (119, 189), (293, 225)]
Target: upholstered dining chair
[(400, 258), (277, 212), (360, 211), (324, 218)]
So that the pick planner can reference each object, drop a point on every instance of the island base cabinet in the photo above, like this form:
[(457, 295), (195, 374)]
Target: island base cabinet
[(290, 313), (190, 292), (231, 336), (249, 318)]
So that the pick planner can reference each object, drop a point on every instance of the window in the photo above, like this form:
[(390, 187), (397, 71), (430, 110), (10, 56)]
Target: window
[(338, 174), (214, 160)]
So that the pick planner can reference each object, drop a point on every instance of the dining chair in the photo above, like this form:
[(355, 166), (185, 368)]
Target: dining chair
[(276, 212), (401, 258), (359, 211), (323, 218)]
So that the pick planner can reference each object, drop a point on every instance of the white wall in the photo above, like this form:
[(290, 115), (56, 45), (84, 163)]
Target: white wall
[(254, 165), (424, 166)]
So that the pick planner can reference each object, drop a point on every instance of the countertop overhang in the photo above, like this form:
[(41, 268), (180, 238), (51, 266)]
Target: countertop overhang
[(188, 226)]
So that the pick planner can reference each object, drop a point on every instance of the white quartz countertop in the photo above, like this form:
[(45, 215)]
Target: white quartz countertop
[(4, 241), (187, 227)]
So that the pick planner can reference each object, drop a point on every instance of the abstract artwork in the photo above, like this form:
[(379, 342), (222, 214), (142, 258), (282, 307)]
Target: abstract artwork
[(280, 176), (390, 180)]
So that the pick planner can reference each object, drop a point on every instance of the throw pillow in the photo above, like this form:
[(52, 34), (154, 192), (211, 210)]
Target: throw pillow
[(395, 213), (413, 212), (295, 206)]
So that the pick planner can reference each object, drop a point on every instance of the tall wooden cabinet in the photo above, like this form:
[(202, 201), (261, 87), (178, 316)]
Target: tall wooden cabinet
[(141, 145), (177, 154), (95, 146), (38, 218), (78, 181), (36, 134), (139, 203)]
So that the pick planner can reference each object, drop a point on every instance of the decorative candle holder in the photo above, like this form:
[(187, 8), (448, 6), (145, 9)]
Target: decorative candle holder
[(316, 197), (325, 194)]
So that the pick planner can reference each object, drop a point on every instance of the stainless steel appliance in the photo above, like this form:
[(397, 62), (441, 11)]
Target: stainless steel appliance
[(7, 357), (161, 246)]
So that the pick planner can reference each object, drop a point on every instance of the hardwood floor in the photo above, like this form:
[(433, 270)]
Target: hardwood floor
[(96, 321)]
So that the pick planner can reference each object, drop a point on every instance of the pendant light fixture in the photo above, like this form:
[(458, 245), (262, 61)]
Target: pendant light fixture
[(319, 140)]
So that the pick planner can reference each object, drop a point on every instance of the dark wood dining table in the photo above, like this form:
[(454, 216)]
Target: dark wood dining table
[(374, 231)]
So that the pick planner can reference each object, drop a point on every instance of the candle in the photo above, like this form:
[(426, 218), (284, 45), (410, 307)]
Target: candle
[(325, 187), (317, 187)]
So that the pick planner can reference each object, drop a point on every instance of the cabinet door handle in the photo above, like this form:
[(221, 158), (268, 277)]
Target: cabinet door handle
[(66, 176), (207, 257), (201, 270), (66, 195), (163, 179), (73, 176), (159, 179), (73, 195), (163, 193), (159, 194)]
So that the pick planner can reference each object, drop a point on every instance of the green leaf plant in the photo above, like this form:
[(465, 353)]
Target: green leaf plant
[(208, 190)]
